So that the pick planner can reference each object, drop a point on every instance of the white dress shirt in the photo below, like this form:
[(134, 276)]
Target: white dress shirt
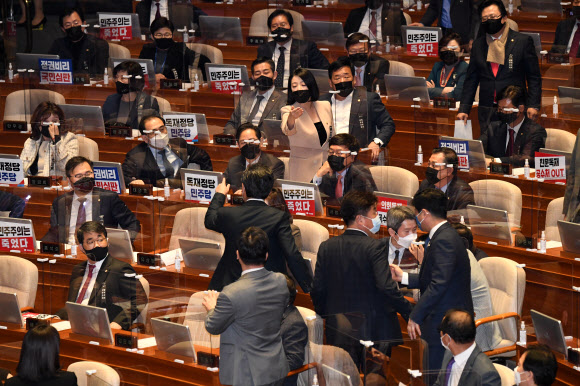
[(459, 365), (251, 269), (286, 45), (341, 114), (572, 36), (173, 159), (516, 129), (263, 103), (318, 180), (96, 270), (364, 25), (255, 161), (392, 250), (405, 279), (163, 10), (74, 212)]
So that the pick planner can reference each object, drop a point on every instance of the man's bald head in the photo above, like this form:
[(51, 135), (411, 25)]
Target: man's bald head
[(459, 325)]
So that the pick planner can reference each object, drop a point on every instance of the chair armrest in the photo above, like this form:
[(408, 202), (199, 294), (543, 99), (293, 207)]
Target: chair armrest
[(495, 318), (410, 300)]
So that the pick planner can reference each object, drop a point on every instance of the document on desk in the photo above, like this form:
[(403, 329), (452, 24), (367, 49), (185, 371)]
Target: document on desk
[(61, 326), (146, 342), (463, 130)]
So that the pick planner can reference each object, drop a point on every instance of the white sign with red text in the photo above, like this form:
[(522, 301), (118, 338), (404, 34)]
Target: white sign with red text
[(299, 199)]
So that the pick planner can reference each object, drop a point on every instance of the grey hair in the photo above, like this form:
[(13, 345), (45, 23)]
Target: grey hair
[(398, 214)]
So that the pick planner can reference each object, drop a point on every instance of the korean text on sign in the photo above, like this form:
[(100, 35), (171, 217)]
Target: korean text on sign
[(551, 168), (462, 150), (16, 237), (420, 42), (299, 199), (225, 80), (385, 204), (181, 126), (11, 171), (199, 187), (115, 27), (55, 71), (108, 179)]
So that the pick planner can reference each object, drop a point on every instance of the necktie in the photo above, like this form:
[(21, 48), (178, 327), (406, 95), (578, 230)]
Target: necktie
[(427, 242), (575, 42), (358, 80), (510, 147), (448, 373), (82, 214), (279, 82), (494, 68), (396, 261), (338, 189), (169, 171), (86, 285), (373, 24), (256, 108), (158, 12)]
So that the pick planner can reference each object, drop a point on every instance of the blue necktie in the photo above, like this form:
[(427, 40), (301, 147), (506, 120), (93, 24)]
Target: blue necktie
[(446, 14)]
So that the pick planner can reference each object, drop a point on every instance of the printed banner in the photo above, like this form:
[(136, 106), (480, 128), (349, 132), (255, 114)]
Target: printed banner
[(11, 171), (115, 26), (299, 199), (55, 71), (108, 178), (181, 126), (16, 237), (199, 187), (462, 150), (385, 204), (421, 42), (550, 167), (222, 79)]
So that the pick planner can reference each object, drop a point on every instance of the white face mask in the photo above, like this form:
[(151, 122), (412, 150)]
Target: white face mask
[(443, 344), (517, 376), (406, 241), (159, 140)]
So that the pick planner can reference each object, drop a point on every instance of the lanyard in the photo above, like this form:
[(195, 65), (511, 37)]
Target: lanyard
[(441, 83), (164, 60)]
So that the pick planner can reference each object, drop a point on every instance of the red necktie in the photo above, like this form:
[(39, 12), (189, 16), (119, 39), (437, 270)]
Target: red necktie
[(575, 42), (82, 214), (338, 189), (373, 24), (86, 285), (510, 147), (158, 12), (494, 68)]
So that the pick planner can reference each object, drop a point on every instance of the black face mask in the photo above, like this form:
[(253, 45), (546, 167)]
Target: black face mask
[(44, 131), (278, 32), (74, 33), (492, 26), (374, 4), (576, 11), (264, 83), (359, 60), (448, 57), (507, 117), (250, 151), (97, 253), (431, 175), (85, 184), (301, 96), (336, 162), (122, 88), (164, 43), (344, 88)]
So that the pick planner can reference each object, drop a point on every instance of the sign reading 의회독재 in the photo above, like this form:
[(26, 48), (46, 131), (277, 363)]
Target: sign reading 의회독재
[(16, 237), (108, 178), (550, 167), (11, 171), (181, 126), (421, 42), (462, 150), (299, 199), (55, 71), (384, 204), (115, 26), (199, 187), (223, 79)]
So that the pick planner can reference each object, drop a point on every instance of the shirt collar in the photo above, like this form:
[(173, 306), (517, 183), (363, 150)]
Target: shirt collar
[(378, 10), (253, 161), (346, 101), (445, 187), (155, 152), (355, 229), (461, 358), (267, 94), (517, 127), (98, 265), (392, 247), (434, 229), (286, 45), (251, 269), (255, 199)]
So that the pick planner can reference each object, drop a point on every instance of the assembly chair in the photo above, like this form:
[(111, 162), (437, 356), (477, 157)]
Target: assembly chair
[(188, 224), (21, 104), (95, 373), (501, 195), (506, 375), (118, 51), (19, 276), (313, 234), (195, 318), (395, 180), (400, 68), (553, 214), (88, 148), (560, 140)]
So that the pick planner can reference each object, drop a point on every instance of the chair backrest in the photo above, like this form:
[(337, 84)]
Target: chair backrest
[(407, 18), (88, 148), (339, 359), (506, 375), (21, 104), (507, 285), (195, 319), (259, 23), (553, 214), (313, 234), (188, 224), (395, 180), (499, 194), (142, 317), (286, 161), (119, 51), (164, 105), (19, 276), (560, 140), (314, 323), (103, 372), (214, 54), (400, 68)]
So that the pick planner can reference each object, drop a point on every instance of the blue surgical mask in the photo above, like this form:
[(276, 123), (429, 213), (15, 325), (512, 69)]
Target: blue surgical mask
[(376, 224), (419, 222)]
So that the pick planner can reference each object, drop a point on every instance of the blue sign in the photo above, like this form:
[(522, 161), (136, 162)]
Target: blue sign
[(108, 178), (55, 71), (462, 150)]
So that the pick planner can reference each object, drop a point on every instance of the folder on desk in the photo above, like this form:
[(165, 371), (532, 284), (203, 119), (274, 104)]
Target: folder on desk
[(10, 309), (89, 321), (173, 338)]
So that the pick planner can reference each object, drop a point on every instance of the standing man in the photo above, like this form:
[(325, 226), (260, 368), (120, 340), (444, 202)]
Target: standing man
[(377, 19), (353, 289), (500, 58), (571, 209), (257, 183), (444, 276), (369, 69), (567, 39), (247, 316)]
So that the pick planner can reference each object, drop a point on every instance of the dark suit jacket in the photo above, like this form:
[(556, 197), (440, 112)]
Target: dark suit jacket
[(178, 60), (407, 262), (294, 339), (303, 54), (243, 109), (64, 378), (523, 70), (12, 203), (457, 79), (232, 221), (369, 119), (93, 57), (143, 10), (375, 72), (462, 13), (530, 138), (142, 106), (459, 193), (563, 35), (357, 177), (105, 203), (478, 370), (112, 290), (571, 207), (237, 165), (140, 163), (391, 23)]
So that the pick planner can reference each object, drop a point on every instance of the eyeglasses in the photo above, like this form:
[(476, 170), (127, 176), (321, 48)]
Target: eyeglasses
[(165, 35), (73, 24), (361, 51), (81, 175), (91, 243), (490, 17), (152, 133), (435, 165), (340, 153)]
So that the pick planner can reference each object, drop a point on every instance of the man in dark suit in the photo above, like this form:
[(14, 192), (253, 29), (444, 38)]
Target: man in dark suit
[(353, 289), (378, 19), (286, 52), (101, 280), (87, 203), (444, 278), (357, 111), (369, 69), (249, 141), (147, 12), (159, 157), (294, 334), (342, 172), (441, 173), (263, 103), (402, 229), (514, 138), (566, 32), (500, 58), (537, 366), (257, 183), (12, 203), (571, 206), (89, 54), (464, 363)]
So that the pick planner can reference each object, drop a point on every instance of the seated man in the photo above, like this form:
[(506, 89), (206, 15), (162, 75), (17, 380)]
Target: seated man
[(515, 137), (100, 281), (249, 141), (356, 111), (87, 203), (89, 54), (537, 367), (566, 34), (442, 174), (151, 10), (263, 103), (369, 69), (286, 52), (377, 19), (12, 203), (159, 157), (342, 172), (294, 334)]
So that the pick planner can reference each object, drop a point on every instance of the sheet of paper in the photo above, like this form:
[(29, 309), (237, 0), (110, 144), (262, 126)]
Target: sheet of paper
[(61, 326), (146, 342), (168, 258), (553, 244), (463, 130)]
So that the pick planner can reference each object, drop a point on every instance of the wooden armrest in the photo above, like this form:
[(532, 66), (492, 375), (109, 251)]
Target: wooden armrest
[(306, 367), (410, 300), (26, 309), (495, 318)]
